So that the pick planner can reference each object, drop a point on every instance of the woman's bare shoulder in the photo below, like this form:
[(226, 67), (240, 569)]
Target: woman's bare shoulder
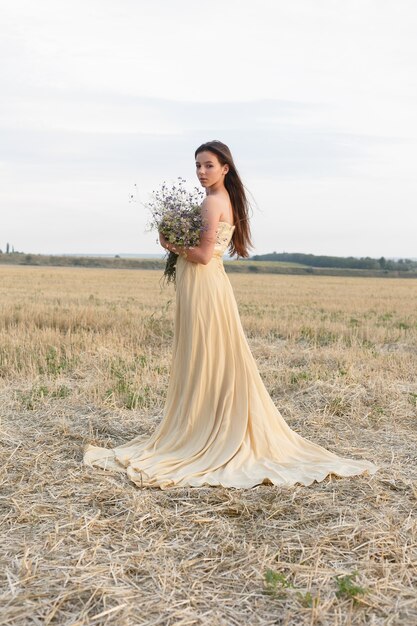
[(212, 206), (212, 200), (218, 208)]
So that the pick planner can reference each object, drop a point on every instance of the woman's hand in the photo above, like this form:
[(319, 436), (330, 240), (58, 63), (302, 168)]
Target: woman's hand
[(165, 243), (163, 240)]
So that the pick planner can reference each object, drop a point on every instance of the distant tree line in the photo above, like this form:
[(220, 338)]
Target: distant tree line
[(349, 262), (9, 249)]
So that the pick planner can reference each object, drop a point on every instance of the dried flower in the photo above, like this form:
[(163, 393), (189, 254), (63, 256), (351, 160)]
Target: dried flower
[(176, 213)]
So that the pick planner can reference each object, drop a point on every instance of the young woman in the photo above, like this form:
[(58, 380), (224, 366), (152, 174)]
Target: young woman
[(219, 426)]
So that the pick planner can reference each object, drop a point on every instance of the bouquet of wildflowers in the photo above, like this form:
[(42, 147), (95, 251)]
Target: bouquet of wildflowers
[(176, 213)]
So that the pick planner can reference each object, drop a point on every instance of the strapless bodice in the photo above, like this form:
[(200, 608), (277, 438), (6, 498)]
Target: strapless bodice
[(223, 237)]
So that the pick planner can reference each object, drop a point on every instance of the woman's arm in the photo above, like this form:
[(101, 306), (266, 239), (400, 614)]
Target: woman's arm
[(211, 211)]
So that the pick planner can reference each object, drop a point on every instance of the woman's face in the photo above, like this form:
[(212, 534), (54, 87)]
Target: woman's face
[(209, 169)]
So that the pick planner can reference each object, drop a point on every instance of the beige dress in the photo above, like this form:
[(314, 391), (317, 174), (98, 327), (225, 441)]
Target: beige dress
[(219, 425)]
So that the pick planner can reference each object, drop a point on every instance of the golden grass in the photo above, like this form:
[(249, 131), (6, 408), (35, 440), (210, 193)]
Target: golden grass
[(84, 357)]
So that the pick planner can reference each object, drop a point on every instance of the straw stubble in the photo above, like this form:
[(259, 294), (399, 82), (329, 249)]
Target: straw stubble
[(84, 357)]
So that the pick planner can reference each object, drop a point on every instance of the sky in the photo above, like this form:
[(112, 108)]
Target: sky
[(317, 101)]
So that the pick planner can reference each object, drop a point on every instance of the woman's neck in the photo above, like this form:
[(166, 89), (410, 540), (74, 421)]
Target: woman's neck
[(216, 189)]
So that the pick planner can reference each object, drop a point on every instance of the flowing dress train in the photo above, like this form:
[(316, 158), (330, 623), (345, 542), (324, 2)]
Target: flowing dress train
[(219, 425)]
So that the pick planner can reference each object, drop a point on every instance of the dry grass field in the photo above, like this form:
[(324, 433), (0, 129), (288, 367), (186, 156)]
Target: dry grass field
[(85, 356)]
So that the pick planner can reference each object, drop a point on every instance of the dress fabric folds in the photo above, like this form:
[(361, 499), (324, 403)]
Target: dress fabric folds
[(219, 425)]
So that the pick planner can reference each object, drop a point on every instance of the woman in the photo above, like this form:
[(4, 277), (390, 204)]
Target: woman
[(220, 426)]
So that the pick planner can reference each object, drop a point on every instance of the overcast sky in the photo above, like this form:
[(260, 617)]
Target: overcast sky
[(317, 100)]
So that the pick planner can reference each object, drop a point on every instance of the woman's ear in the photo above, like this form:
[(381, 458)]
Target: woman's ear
[(226, 169)]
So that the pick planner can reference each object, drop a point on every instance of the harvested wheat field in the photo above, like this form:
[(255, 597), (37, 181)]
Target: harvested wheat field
[(84, 358)]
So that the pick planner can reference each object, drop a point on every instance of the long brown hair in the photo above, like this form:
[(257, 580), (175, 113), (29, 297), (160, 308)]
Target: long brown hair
[(241, 240)]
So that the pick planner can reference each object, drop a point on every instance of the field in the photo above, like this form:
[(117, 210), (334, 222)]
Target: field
[(84, 357), (247, 265)]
